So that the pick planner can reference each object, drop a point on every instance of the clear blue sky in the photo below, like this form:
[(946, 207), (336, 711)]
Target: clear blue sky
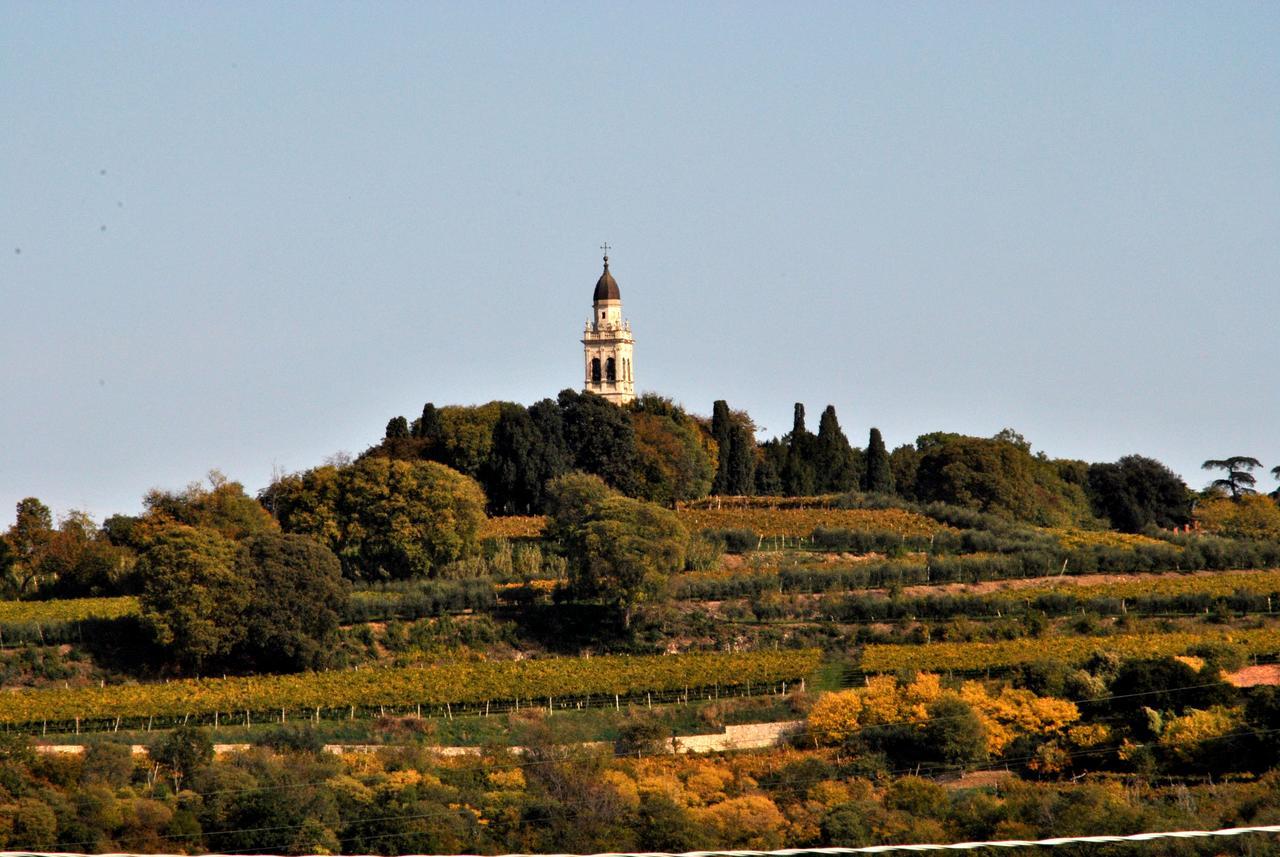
[(244, 235)]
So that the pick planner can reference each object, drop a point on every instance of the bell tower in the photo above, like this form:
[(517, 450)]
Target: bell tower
[(607, 343)]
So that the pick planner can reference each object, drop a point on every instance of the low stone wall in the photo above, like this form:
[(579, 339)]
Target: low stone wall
[(749, 736)]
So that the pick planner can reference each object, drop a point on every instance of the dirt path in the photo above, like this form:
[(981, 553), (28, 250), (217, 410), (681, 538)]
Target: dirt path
[(1256, 675)]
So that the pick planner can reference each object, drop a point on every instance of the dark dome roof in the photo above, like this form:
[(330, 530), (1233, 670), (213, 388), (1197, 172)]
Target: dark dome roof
[(607, 286)]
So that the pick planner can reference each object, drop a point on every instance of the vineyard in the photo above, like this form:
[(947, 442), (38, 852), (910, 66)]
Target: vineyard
[(66, 610), (513, 527), (1215, 584), (405, 688), (801, 522), (977, 657)]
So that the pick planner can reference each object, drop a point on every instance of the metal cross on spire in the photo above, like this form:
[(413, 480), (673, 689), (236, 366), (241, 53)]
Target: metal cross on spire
[(605, 248)]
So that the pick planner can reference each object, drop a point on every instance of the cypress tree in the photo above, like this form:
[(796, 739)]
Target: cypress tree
[(721, 430), (742, 459), (429, 425), (834, 460), (879, 474), (798, 472)]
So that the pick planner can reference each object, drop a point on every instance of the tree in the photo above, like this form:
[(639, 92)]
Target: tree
[(465, 437), (1239, 480), (28, 540), (601, 439), (837, 465), (673, 452), (620, 551), (997, 475), (428, 427), (193, 593), (904, 462), (722, 432), (397, 428), (80, 560), (878, 476), (384, 518), (798, 474), (1135, 493), (295, 603), (513, 475), (184, 750), (953, 733), (1250, 516), (742, 455), (769, 467), (1161, 684), (223, 506)]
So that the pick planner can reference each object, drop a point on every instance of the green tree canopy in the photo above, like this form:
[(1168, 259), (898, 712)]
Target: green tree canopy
[(194, 593), (1135, 493), (838, 467), (384, 518), (799, 478), (878, 476), (1238, 478), (601, 439), (672, 450), (620, 551), (223, 506), (297, 593), (997, 475), (527, 450), (722, 431)]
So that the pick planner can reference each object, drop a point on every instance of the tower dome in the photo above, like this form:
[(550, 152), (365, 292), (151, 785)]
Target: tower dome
[(607, 286), (607, 343)]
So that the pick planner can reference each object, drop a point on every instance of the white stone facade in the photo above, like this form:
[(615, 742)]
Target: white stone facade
[(607, 345)]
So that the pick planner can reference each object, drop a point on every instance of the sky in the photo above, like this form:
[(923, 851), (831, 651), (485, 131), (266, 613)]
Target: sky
[(244, 235)]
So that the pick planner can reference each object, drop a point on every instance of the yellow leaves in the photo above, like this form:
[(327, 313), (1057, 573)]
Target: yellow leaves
[(663, 784), (511, 779), (1089, 735), (1016, 711), (1183, 734), (880, 701), (1073, 539), (708, 784), (836, 717), (397, 780), (751, 822), (623, 786), (1253, 516)]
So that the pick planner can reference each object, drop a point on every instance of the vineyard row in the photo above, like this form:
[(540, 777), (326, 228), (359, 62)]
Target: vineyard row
[(473, 684), (976, 657)]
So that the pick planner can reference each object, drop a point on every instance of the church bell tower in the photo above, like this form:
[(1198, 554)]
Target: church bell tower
[(607, 343)]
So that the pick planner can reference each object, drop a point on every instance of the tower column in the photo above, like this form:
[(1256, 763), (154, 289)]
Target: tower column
[(608, 344)]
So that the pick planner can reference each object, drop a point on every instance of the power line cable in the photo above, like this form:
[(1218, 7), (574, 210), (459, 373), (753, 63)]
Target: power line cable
[(822, 852)]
